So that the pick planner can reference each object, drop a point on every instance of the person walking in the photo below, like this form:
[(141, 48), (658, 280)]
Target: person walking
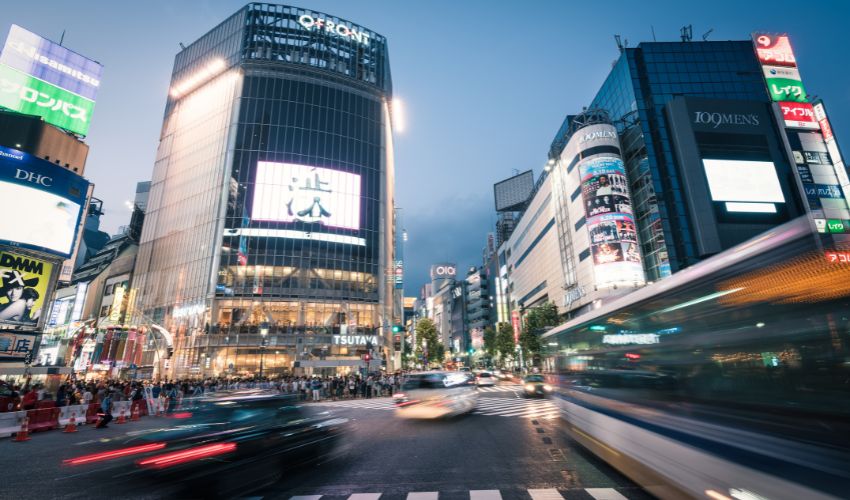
[(106, 412)]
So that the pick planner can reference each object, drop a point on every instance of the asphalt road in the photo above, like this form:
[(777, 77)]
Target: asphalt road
[(507, 448)]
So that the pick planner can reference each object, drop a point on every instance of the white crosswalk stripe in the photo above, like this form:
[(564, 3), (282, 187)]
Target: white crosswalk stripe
[(535, 494), (501, 407), (499, 388)]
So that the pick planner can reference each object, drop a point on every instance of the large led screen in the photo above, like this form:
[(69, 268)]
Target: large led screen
[(47, 221), (23, 292), (43, 203), (288, 192), (743, 180)]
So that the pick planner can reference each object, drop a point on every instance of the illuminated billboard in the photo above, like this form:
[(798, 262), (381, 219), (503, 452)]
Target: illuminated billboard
[(798, 115), (774, 50), (50, 62), (513, 193), (23, 290), (25, 94), (610, 222), (43, 203), (288, 192), (746, 184)]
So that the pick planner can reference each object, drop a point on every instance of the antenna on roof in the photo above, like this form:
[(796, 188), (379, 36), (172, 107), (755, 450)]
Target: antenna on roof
[(619, 42), (653, 32), (687, 33), (705, 35), (62, 38), (182, 47)]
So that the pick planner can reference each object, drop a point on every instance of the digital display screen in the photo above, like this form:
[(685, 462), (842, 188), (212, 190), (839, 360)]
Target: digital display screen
[(23, 293), (43, 219), (44, 203), (288, 192), (743, 180)]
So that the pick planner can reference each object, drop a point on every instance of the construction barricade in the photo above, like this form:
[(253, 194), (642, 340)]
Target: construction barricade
[(78, 412), (121, 411), (44, 417), (91, 413), (10, 422)]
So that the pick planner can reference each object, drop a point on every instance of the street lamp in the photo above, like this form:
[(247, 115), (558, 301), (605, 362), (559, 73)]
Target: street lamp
[(264, 330)]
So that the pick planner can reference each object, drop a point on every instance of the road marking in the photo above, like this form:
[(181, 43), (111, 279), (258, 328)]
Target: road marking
[(422, 495), (307, 497), (548, 494), (485, 495), (605, 494), (365, 496)]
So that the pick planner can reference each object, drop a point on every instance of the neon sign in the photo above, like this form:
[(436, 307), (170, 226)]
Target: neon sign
[(321, 24)]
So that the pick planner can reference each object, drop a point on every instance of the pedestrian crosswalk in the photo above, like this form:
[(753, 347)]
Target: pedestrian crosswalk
[(501, 407), (532, 494), (500, 388)]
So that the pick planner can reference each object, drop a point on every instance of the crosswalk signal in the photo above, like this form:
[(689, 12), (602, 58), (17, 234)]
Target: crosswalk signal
[(398, 328)]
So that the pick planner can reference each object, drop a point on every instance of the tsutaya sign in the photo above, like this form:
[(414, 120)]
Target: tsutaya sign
[(355, 339), (321, 24)]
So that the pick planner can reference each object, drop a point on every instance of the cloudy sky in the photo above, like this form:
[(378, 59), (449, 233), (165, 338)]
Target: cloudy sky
[(485, 85)]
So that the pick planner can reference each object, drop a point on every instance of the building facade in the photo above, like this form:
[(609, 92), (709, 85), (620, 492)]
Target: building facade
[(635, 95), (268, 233)]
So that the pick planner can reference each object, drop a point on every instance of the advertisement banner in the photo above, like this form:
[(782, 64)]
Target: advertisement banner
[(26, 94), (43, 203), (288, 192), (786, 89), (23, 290), (16, 346), (798, 115), (39, 57), (774, 50)]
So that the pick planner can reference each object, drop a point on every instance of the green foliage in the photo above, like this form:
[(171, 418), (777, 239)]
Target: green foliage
[(490, 341), (537, 320), (426, 331), (505, 341)]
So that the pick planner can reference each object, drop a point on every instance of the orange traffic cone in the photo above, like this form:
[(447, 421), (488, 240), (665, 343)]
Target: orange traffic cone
[(24, 433), (135, 414), (121, 419), (72, 424)]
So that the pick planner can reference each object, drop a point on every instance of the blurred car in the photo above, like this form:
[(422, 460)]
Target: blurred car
[(219, 446), (485, 378), (436, 395), (535, 386)]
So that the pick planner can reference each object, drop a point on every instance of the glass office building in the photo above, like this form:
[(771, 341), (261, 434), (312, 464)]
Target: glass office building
[(269, 226), (643, 81)]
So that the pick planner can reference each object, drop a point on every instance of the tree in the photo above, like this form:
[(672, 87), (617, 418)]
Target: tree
[(537, 320), (490, 341), (505, 341), (426, 331)]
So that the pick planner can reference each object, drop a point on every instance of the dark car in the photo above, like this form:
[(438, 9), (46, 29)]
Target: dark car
[(535, 386), (219, 446)]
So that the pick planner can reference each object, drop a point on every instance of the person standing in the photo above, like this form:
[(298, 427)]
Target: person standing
[(316, 385), (106, 411)]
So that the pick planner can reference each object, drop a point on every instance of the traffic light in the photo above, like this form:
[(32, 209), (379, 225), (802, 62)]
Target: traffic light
[(367, 357), (398, 328)]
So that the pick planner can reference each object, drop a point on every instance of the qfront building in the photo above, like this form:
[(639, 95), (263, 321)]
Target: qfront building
[(269, 227)]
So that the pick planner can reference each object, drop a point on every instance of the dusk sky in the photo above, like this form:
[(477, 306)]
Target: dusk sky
[(485, 86)]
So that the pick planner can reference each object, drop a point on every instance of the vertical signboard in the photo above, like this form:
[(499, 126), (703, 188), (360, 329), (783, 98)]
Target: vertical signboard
[(822, 173)]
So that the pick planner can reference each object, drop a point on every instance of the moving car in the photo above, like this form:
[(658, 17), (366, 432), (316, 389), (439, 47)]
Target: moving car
[(436, 395), (535, 386), (485, 378), (223, 445)]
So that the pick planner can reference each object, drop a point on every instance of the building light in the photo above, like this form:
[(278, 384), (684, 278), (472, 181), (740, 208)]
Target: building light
[(398, 114), (202, 76)]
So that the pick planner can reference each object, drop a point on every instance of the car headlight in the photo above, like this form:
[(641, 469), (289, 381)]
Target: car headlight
[(547, 387), (529, 387)]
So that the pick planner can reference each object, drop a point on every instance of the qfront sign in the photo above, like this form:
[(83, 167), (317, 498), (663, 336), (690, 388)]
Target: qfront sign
[(337, 29), (355, 340)]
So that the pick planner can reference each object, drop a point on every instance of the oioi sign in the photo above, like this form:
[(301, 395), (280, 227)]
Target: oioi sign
[(25, 94)]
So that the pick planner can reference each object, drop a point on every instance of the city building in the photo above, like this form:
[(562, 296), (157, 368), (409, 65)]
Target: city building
[(268, 242), (478, 307), (42, 159), (646, 84)]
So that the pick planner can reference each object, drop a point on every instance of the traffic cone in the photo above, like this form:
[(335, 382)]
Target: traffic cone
[(71, 426), (121, 418), (24, 433), (135, 414)]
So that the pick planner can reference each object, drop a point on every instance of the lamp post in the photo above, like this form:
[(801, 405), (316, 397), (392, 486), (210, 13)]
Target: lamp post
[(264, 330)]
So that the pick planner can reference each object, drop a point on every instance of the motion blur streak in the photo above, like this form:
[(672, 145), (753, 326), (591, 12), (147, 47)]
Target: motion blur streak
[(715, 495), (109, 455), (807, 278), (183, 456)]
